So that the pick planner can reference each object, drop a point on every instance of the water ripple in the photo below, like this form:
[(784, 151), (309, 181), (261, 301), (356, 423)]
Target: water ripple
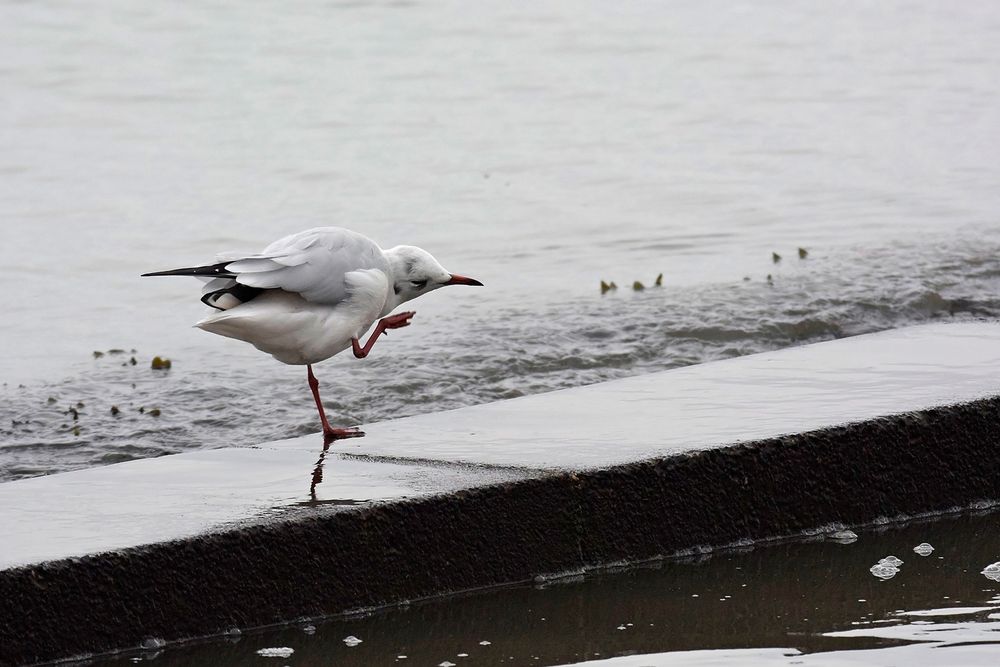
[(69, 424)]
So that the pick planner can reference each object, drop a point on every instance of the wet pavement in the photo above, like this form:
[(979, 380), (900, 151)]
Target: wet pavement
[(634, 419)]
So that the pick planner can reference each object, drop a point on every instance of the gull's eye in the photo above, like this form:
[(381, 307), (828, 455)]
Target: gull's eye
[(418, 284)]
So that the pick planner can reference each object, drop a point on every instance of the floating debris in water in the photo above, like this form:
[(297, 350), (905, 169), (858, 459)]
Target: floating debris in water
[(114, 410), (923, 549), (132, 361), (638, 286), (446, 664), (309, 629), (992, 572), (233, 633), (76, 431), (746, 279), (351, 640), (276, 652), (770, 279), (843, 536), (51, 400), (74, 412), (160, 363), (659, 281), (116, 350), (98, 354), (463, 655), (606, 287), (775, 257), (155, 412), (485, 643), (891, 560), (803, 253)]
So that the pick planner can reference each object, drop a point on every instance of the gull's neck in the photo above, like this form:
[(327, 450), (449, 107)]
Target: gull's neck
[(397, 272)]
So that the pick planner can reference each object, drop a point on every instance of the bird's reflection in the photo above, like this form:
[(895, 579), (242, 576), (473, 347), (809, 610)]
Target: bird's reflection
[(317, 478), (317, 474)]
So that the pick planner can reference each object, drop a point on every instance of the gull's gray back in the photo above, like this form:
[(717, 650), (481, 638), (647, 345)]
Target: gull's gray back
[(312, 263)]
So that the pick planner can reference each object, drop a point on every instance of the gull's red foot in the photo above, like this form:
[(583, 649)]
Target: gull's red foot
[(343, 433), (398, 321), (333, 434)]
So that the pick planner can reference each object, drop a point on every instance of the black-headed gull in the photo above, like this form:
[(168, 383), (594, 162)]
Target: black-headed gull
[(310, 295)]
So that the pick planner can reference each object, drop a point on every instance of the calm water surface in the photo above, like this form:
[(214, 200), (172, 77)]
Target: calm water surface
[(802, 603), (540, 149)]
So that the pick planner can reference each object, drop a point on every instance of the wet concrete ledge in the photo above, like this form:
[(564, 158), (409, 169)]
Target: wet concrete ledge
[(486, 524)]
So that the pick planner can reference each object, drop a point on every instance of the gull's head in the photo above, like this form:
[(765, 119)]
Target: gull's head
[(416, 272)]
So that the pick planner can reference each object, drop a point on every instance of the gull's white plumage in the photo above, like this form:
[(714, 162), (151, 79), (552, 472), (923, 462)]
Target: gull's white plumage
[(310, 295), (297, 331)]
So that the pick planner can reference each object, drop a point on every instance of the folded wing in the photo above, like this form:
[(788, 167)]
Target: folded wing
[(312, 263)]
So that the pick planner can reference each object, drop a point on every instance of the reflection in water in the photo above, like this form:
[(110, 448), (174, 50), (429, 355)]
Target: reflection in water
[(803, 597), (316, 478), (317, 475)]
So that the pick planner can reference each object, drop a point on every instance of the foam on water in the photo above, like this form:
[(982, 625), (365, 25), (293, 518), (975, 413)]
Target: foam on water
[(992, 572), (884, 571), (843, 536)]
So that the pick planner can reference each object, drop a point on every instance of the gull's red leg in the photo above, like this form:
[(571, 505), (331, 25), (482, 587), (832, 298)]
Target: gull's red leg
[(329, 433), (397, 321)]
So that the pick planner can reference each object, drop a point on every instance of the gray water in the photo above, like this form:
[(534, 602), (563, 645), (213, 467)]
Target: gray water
[(540, 149), (807, 602)]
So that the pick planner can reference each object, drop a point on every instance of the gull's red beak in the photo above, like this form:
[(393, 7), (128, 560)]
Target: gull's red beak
[(462, 280)]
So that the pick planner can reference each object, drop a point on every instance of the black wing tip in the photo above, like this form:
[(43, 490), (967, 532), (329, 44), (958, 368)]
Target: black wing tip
[(216, 270), (172, 272)]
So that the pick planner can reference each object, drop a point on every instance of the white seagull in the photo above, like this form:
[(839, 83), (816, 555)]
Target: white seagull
[(310, 295)]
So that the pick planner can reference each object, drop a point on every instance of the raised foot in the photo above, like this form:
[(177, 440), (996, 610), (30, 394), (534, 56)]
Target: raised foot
[(398, 321)]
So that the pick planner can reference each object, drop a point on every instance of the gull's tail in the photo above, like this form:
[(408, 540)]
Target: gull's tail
[(221, 290)]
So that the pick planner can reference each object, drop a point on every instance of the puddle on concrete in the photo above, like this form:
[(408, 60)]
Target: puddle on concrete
[(805, 602)]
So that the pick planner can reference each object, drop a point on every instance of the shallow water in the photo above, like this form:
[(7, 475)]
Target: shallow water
[(539, 149), (209, 399), (812, 601)]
